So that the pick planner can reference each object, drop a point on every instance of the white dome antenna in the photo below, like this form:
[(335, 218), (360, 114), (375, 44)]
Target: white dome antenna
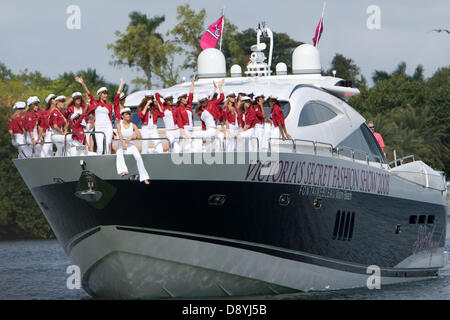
[(306, 60), (211, 64), (236, 71), (281, 69)]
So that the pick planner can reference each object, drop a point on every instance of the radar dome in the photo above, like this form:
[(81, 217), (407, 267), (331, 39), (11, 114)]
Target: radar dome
[(306, 59), (211, 64), (236, 71)]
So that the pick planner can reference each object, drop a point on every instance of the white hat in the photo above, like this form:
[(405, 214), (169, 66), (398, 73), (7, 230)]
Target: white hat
[(19, 105), (125, 110), (77, 94), (122, 95), (32, 100), (60, 98), (101, 90), (246, 98), (49, 97)]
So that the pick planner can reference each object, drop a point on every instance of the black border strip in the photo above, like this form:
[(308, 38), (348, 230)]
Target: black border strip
[(401, 273)]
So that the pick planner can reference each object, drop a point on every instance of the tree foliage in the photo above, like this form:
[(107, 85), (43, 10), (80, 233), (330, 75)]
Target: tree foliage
[(20, 217), (143, 49)]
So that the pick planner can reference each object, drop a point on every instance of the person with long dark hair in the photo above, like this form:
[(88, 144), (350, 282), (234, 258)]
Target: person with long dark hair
[(103, 115), (172, 121), (128, 132), (149, 114), (33, 134), (210, 114), (231, 117)]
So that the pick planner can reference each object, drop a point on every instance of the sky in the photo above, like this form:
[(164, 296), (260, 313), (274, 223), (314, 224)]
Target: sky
[(35, 35)]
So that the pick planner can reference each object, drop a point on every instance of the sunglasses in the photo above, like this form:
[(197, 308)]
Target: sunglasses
[(372, 127)]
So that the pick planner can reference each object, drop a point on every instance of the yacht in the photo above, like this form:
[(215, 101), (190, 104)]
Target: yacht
[(315, 212)]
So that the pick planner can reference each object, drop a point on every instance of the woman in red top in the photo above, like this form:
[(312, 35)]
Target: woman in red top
[(231, 118), (173, 122), (249, 121), (59, 126), (44, 125), (103, 114), (149, 114), (277, 120), (33, 134), (16, 129)]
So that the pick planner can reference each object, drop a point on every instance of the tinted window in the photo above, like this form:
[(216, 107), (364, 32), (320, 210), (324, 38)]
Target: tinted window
[(315, 112), (362, 141)]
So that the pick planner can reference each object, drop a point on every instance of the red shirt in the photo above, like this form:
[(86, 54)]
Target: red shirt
[(43, 119), (57, 118), (241, 120), (71, 110), (117, 114), (77, 126), (31, 120), (95, 104), (379, 139), (250, 118), (277, 116), (146, 116), (16, 124), (259, 115), (229, 116), (178, 121)]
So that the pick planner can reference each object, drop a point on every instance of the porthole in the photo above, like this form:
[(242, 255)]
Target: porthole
[(422, 219), (430, 220), (285, 200), (217, 200)]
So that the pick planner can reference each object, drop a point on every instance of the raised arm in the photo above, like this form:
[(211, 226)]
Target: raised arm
[(85, 88), (122, 84), (193, 83)]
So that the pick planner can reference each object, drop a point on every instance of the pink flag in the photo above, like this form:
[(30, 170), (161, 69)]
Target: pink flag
[(212, 35), (319, 31)]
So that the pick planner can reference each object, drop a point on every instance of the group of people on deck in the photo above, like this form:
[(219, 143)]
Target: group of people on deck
[(78, 127)]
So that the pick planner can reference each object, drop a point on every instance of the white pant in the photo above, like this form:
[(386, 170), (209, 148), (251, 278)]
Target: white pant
[(247, 136), (150, 133), (19, 140), (260, 134), (172, 135), (59, 140), (30, 151), (231, 142), (121, 165), (108, 134), (47, 148), (209, 136)]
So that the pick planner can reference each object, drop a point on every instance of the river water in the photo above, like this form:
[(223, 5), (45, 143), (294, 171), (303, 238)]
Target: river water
[(37, 270)]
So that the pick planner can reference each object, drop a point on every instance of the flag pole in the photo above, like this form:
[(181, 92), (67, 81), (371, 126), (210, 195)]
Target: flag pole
[(223, 26), (323, 10)]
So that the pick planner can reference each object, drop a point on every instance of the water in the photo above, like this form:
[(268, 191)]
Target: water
[(37, 270)]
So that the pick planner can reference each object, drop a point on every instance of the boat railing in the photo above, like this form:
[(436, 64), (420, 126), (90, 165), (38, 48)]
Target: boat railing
[(223, 144), (152, 139), (83, 133), (353, 152), (33, 146), (396, 162), (294, 148)]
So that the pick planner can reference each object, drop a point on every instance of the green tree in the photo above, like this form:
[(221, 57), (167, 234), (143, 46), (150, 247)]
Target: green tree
[(188, 32), (141, 48), (347, 69)]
